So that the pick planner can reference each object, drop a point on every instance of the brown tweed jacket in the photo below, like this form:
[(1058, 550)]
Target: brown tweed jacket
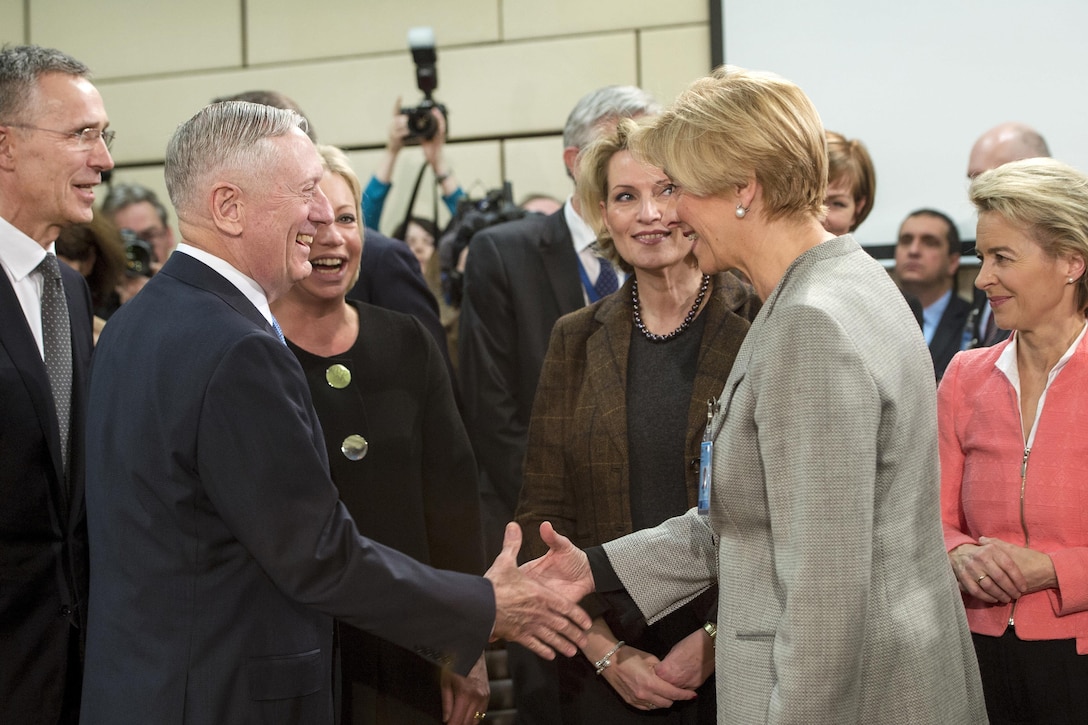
[(576, 468)]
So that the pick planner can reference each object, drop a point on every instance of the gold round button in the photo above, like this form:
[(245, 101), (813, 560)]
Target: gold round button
[(338, 376), (354, 447)]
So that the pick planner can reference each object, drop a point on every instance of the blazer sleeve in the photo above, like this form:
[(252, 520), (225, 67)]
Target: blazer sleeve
[(665, 567), (489, 369), (949, 403), (809, 380), (547, 491), (260, 457)]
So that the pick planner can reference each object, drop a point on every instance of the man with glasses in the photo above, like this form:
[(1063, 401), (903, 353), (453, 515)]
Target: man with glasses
[(53, 150), (135, 207)]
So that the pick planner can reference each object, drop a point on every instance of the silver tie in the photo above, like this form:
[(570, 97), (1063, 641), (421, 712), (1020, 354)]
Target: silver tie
[(57, 335)]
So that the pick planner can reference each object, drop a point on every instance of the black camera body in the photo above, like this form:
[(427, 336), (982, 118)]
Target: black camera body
[(137, 255), (422, 125)]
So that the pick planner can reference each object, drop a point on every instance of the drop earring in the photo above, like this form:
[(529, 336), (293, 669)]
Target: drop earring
[(741, 211)]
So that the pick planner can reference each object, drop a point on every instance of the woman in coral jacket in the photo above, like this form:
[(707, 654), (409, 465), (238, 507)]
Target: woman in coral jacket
[(1014, 461)]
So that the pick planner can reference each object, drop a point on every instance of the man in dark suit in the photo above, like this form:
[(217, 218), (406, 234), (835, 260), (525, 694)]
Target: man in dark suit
[(53, 151), (389, 277), (927, 256), (1005, 142), (220, 551)]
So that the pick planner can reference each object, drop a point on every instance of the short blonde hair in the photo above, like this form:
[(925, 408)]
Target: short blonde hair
[(735, 124), (336, 162), (592, 185), (1046, 197), (849, 160)]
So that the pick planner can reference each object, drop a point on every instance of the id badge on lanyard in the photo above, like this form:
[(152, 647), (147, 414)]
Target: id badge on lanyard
[(706, 458)]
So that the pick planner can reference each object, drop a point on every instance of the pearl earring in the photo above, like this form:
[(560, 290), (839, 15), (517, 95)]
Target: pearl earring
[(741, 211), (1070, 280)]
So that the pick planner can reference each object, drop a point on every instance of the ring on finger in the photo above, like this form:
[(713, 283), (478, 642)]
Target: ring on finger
[(479, 715), (980, 577)]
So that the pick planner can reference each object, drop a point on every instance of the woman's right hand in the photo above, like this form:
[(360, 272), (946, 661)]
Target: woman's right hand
[(987, 573), (632, 675)]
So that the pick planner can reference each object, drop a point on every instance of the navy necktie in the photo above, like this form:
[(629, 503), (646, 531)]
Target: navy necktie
[(607, 282), (57, 339)]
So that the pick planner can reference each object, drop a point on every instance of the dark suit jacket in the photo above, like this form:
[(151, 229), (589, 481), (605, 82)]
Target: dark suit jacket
[(43, 527), (219, 548), (948, 338), (389, 277), (520, 278)]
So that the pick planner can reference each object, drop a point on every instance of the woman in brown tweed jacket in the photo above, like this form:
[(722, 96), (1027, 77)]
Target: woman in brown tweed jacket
[(616, 427)]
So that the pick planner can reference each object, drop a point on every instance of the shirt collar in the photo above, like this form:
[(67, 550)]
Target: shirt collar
[(19, 254), (580, 233), (246, 285)]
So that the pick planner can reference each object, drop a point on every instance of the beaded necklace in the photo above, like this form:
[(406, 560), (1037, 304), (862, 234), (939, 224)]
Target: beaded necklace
[(654, 337)]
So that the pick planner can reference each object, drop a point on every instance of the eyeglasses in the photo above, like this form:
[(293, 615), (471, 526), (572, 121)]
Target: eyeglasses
[(87, 137)]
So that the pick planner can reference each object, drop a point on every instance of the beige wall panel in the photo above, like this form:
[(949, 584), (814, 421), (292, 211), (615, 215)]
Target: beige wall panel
[(476, 166), (671, 59), (146, 112), (535, 166), (12, 20), (529, 87), (531, 19), (285, 30), (124, 38)]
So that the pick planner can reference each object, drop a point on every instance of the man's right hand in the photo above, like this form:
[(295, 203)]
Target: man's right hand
[(530, 612), (564, 569)]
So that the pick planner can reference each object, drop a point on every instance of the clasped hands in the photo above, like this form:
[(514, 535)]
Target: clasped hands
[(995, 571)]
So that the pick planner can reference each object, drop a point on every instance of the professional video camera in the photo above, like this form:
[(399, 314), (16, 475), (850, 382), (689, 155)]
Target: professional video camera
[(472, 215), (422, 125)]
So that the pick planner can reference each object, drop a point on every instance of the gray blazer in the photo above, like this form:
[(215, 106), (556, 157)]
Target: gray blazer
[(837, 604)]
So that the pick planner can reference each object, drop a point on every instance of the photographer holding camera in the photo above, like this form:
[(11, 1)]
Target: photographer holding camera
[(399, 133)]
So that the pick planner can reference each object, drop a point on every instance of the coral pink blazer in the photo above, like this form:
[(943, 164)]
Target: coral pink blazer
[(982, 455)]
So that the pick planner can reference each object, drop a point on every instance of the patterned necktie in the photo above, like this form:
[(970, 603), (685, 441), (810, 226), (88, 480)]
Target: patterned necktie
[(279, 331), (57, 336), (607, 282)]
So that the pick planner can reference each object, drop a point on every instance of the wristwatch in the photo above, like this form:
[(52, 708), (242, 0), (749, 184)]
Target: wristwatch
[(711, 629)]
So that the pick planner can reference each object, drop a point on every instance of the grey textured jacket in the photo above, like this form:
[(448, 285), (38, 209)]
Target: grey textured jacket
[(837, 603)]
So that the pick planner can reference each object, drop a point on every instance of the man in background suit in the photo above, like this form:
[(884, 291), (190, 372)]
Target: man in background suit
[(927, 256), (520, 277), (53, 151), (219, 548), (1005, 142)]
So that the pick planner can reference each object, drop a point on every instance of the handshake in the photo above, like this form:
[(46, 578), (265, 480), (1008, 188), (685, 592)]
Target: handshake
[(536, 604)]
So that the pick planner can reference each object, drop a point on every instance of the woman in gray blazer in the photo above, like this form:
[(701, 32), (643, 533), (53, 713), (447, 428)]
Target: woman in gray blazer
[(822, 527)]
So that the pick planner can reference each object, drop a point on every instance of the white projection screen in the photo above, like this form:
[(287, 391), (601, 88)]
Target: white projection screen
[(918, 81)]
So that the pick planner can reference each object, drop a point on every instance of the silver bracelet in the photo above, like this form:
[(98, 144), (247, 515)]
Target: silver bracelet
[(605, 662)]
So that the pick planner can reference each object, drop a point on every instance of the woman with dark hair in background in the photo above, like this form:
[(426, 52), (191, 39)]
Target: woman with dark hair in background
[(851, 184)]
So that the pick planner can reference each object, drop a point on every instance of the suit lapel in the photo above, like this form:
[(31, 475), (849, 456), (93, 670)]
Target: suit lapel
[(606, 366), (194, 272), (17, 339), (561, 264)]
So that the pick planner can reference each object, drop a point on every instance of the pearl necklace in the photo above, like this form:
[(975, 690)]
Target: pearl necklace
[(654, 337)]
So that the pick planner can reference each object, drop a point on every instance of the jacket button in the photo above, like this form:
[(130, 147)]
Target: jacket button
[(65, 611), (694, 464)]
